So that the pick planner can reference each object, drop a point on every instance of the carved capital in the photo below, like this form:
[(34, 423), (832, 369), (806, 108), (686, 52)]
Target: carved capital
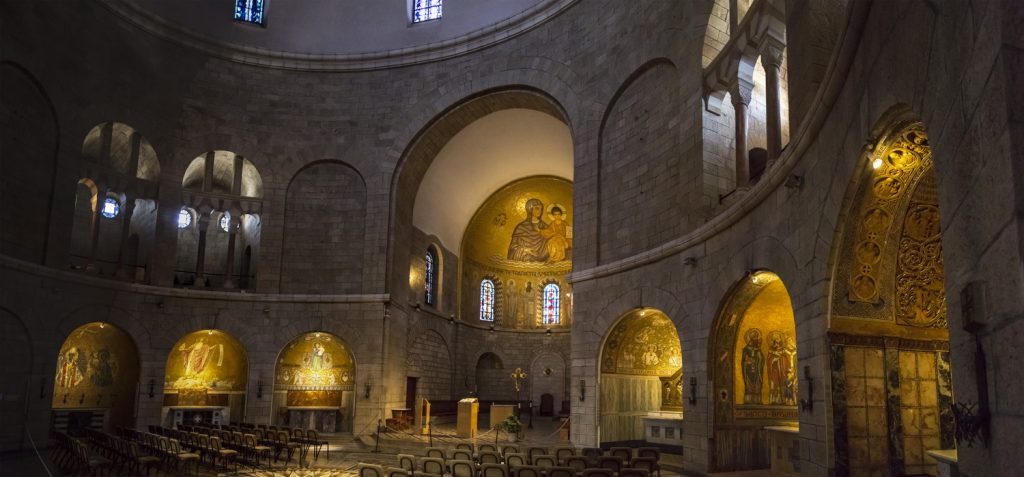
[(741, 91), (771, 52)]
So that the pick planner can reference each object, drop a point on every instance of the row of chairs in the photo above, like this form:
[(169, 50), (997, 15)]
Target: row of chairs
[(591, 457), (465, 468), (73, 455), (308, 439)]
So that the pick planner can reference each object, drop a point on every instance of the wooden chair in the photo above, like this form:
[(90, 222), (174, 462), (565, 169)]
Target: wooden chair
[(516, 460), (432, 465), (179, 456), (625, 452), (631, 472), (493, 470), (562, 453), (370, 470), (397, 472), (561, 472), (613, 463), (437, 452), (532, 452), (545, 461), (225, 455), (464, 446), (284, 443), (650, 464), (595, 472), (653, 453), (487, 447), (462, 468), (577, 463), (407, 462), (489, 457), (138, 460), (258, 450), (528, 471), (313, 437), (509, 449), (462, 454)]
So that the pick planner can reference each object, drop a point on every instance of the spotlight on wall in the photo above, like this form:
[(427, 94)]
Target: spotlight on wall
[(151, 384), (794, 181), (583, 390), (877, 163)]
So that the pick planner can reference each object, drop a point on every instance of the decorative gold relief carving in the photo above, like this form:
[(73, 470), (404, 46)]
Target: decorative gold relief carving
[(643, 343), (920, 286)]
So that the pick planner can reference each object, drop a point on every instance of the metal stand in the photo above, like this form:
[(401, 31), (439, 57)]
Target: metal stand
[(376, 446)]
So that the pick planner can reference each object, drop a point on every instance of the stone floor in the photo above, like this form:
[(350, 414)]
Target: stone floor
[(346, 454)]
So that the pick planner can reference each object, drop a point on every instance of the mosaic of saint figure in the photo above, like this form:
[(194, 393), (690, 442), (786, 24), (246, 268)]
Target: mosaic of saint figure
[(779, 369), (534, 240), (70, 368), (790, 392), (101, 371), (753, 367), (196, 356)]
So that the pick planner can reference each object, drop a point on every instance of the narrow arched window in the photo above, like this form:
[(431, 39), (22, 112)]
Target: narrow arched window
[(552, 297), (424, 10), (430, 278), (249, 11), (487, 300)]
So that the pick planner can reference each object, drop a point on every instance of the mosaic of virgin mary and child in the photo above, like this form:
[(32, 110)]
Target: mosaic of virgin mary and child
[(534, 240)]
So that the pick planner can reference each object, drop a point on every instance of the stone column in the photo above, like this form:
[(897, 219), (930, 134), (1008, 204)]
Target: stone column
[(126, 228), (771, 59), (94, 231), (740, 92), (204, 223), (232, 236)]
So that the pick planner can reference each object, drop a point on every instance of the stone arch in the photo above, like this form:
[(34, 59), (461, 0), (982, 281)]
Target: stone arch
[(30, 142), (752, 371), (716, 30), (324, 230), (96, 379), (17, 355), (888, 330), (315, 369), (543, 382), (640, 371), (636, 163), (491, 376), (208, 368)]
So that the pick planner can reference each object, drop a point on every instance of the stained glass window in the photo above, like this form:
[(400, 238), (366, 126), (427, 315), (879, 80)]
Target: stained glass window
[(184, 218), (225, 221), (430, 278), (423, 10), (487, 300), (111, 207), (552, 297), (250, 11)]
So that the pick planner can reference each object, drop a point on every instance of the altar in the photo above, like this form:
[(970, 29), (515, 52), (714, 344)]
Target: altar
[(663, 428), (318, 418)]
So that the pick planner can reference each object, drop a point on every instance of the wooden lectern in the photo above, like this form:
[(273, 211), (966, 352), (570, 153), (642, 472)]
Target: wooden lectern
[(466, 424), (423, 416)]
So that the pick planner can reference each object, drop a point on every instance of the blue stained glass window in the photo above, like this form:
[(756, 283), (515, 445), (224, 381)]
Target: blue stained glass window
[(487, 300), (552, 297), (423, 10), (249, 11), (430, 278), (111, 207), (184, 218)]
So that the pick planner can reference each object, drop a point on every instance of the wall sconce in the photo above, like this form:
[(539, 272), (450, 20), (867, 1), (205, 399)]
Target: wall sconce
[(583, 390), (491, 329), (259, 389), (548, 332), (451, 319), (808, 404), (693, 391), (151, 384), (690, 261), (366, 389)]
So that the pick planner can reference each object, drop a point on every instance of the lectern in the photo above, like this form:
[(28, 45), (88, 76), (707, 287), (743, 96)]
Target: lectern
[(466, 426), (423, 417)]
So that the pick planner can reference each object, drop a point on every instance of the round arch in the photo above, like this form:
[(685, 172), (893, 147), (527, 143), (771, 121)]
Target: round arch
[(314, 383), (205, 379)]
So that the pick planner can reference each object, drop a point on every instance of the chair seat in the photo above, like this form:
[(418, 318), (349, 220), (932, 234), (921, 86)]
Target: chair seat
[(228, 452), (187, 455), (263, 448), (147, 459)]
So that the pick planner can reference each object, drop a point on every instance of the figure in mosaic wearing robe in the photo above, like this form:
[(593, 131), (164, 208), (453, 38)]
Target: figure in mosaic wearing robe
[(528, 243), (779, 367), (753, 367)]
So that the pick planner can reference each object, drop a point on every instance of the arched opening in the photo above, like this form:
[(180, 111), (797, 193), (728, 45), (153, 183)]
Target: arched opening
[(492, 379), (82, 223), (225, 190), (753, 370), (314, 381), (96, 380), (548, 384), (205, 381), (640, 383), (889, 342)]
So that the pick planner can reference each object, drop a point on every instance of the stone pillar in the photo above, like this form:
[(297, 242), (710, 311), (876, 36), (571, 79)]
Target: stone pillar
[(94, 231), (126, 228), (771, 59), (740, 92), (204, 223), (232, 236)]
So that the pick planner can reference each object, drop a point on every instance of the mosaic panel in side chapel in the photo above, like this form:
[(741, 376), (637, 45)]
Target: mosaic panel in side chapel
[(520, 240), (206, 360), (642, 344), (315, 368), (98, 366)]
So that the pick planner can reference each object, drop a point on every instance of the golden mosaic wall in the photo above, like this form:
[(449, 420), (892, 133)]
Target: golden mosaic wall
[(314, 368), (520, 239), (889, 274), (645, 343), (755, 368), (205, 361), (98, 366)]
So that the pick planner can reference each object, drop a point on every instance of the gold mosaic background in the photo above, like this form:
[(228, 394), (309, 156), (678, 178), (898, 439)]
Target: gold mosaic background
[(208, 360), (890, 265), (98, 366), (502, 244), (644, 343), (757, 313), (313, 362)]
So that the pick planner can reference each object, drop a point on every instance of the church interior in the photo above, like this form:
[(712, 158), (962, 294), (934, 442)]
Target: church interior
[(516, 238)]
